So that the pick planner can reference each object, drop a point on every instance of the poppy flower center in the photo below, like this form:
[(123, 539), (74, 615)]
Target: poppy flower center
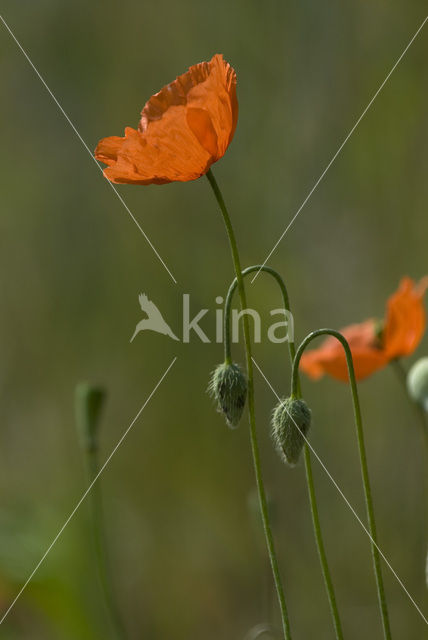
[(379, 332)]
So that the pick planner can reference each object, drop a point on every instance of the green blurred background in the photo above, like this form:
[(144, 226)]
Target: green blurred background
[(187, 560)]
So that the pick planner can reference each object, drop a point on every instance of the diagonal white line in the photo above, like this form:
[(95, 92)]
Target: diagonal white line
[(341, 147), (260, 630), (42, 559), (121, 200), (400, 582)]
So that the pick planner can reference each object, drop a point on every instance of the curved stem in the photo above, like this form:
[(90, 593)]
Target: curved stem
[(228, 304), (328, 582), (100, 545), (363, 462), (253, 431)]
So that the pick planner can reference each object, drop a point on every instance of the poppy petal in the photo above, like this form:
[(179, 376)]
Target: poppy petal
[(404, 327), (200, 124), (405, 318), (183, 129), (108, 149), (330, 357)]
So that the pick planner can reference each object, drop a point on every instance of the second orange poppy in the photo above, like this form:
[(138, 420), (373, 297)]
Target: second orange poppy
[(373, 343)]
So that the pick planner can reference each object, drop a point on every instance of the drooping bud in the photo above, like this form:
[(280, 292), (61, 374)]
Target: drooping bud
[(89, 401), (228, 386), (291, 420), (417, 382)]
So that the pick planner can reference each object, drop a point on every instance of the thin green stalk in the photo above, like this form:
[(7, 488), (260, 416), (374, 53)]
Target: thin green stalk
[(320, 546), (328, 582), (253, 431), (363, 463), (228, 305), (100, 543)]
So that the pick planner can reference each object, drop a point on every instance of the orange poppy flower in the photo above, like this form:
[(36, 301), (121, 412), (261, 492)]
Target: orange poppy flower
[(183, 130), (374, 344)]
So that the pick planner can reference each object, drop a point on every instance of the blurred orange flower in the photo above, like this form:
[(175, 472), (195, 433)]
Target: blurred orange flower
[(374, 344), (183, 130)]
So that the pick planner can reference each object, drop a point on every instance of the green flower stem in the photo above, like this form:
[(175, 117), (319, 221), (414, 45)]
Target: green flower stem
[(320, 546), (363, 462), (100, 543), (308, 463), (228, 305), (253, 430)]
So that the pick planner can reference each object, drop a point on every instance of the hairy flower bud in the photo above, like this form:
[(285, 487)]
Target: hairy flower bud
[(291, 420), (417, 382), (228, 386)]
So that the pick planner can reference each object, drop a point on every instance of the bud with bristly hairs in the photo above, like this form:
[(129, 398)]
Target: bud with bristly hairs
[(291, 420), (228, 386)]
